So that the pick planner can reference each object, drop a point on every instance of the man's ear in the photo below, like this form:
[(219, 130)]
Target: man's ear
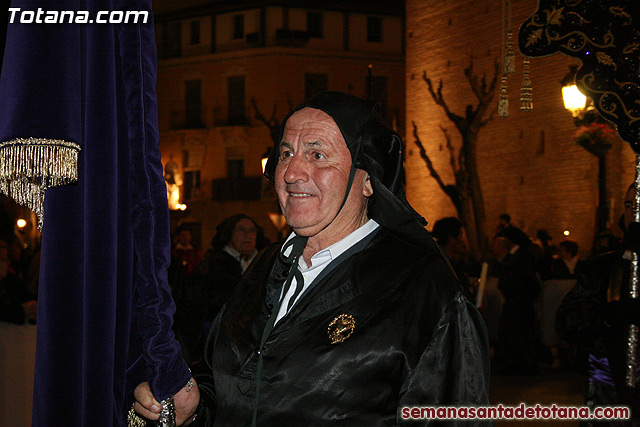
[(367, 189)]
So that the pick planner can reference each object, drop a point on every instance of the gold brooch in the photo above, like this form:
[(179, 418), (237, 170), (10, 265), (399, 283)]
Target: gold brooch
[(341, 328)]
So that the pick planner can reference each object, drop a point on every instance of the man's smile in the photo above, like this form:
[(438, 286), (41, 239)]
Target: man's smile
[(297, 194)]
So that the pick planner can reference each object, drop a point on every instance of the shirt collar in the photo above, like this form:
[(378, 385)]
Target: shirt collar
[(231, 251), (330, 253), (237, 255), (571, 264)]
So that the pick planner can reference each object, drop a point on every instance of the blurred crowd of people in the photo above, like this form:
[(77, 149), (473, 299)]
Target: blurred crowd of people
[(202, 281), (520, 264), (592, 319), (19, 275)]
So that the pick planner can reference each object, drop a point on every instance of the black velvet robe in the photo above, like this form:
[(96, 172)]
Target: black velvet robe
[(587, 318), (417, 342)]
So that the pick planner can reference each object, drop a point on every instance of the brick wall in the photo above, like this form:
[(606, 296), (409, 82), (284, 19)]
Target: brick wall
[(529, 165)]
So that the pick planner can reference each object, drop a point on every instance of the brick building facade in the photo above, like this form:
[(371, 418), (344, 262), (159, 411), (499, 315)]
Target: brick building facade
[(216, 59), (529, 165)]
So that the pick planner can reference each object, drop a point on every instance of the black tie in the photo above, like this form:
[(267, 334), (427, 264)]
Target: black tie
[(298, 243)]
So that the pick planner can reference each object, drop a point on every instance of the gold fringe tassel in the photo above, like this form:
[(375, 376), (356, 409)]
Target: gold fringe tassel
[(28, 166)]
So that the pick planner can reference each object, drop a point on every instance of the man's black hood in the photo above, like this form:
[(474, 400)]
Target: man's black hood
[(374, 148)]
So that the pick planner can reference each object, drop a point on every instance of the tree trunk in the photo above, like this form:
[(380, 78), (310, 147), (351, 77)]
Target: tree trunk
[(480, 242)]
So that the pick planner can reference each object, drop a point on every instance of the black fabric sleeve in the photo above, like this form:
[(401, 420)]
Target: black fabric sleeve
[(453, 369)]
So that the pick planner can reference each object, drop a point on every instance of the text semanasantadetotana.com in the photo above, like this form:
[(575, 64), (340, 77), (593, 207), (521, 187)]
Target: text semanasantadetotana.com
[(41, 16), (522, 412)]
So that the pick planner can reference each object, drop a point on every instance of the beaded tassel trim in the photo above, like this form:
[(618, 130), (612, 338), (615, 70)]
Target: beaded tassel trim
[(28, 166)]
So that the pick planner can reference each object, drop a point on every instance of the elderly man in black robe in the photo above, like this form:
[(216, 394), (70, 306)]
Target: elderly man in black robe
[(357, 315)]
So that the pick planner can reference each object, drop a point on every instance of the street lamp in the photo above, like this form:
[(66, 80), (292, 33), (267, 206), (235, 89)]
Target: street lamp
[(264, 159), (594, 135), (574, 100)]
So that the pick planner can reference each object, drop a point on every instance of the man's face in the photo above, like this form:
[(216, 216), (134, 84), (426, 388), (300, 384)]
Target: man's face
[(312, 174), (243, 238), (628, 207)]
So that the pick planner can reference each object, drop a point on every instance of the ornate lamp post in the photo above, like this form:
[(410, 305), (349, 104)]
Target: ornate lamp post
[(594, 135)]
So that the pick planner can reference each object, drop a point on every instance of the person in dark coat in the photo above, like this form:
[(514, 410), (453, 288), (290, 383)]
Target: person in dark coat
[(596, 314), (567, 264), (236, 243), (520, 287), (450, 235), (200, 295), (357, 316), (546, 257)]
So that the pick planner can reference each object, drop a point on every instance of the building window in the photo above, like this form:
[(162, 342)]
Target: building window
[(193, 107), (235, 168), (195, 32), (314, 24), (236, 100), (174, 40), (238, 26), (191, 184), (314, 84), (377, 90), (374, 29)]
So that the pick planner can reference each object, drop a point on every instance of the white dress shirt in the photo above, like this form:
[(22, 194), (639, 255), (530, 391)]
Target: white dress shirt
[(321, 260)]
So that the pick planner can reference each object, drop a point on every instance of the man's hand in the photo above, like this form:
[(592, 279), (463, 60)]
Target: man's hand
[(145, 404), (186, 401)]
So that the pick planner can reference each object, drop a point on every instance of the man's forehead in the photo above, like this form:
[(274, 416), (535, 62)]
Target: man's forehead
[(315, 125), (311, 118)]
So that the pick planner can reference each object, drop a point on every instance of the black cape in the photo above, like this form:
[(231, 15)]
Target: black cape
[(416, 342)]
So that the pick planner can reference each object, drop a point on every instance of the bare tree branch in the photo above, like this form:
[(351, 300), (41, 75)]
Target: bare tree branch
[(425, 157), (439, 99), (449, 190), (272, 122), (452, 152), (479, 88)]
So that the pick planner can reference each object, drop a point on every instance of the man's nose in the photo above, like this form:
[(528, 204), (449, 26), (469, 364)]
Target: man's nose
[(296, 170)]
